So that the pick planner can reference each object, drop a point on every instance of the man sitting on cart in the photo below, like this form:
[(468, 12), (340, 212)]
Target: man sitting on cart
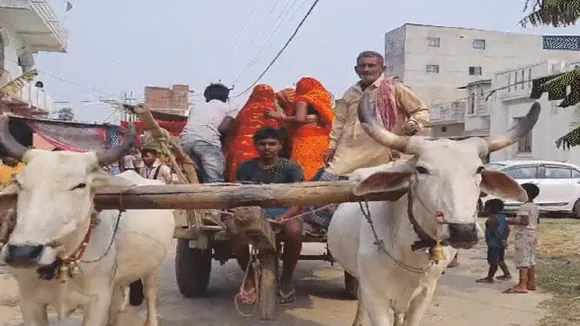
[(269, 167)]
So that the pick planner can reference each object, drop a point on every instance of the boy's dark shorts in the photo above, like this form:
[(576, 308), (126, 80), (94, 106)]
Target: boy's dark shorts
[(495, 255)]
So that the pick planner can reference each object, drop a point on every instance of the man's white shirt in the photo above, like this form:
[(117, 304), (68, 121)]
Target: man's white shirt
[(204, 120)]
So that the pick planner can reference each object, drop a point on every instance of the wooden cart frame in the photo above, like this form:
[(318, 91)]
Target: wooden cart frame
[(201, 238)]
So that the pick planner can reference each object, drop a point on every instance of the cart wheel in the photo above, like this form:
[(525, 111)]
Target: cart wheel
[(351, 285), (268, 285), (192, 269)]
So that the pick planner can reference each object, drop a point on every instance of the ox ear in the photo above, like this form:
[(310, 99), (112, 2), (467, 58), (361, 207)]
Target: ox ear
[(392, 183), (502, 185), (103, 180)]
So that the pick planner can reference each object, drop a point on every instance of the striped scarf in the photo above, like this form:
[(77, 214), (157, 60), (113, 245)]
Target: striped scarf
[(386, 103)]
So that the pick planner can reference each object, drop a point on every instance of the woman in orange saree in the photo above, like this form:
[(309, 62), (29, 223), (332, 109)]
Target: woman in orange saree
[(239, 146), (309, 121)]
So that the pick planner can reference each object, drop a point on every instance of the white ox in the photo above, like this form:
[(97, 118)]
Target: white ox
[(431, 197), (55, 192)]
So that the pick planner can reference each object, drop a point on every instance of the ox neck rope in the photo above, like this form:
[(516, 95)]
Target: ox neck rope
[(69, 266), (425, 242)]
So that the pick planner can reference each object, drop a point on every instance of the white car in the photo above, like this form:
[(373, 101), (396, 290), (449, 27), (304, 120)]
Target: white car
[(559, 184)]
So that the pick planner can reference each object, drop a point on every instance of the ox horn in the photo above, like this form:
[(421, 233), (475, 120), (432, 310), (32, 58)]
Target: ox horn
[(13, 147), (366, 115), (114, 154), (517, 131)]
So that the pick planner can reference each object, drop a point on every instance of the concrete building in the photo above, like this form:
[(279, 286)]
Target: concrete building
[(174, 100), (26, 28), (512, 101), (438, 63)]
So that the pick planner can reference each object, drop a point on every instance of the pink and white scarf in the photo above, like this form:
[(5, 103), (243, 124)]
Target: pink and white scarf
[(386, 103)]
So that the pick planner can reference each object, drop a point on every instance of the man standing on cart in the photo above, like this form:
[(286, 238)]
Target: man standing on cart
[(200, 138), (269, 167)]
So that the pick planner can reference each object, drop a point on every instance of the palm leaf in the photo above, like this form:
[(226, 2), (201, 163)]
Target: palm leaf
[(15, 85), (556, 13), (571, 139)]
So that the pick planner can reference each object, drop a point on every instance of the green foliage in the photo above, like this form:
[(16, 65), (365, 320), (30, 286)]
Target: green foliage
[(556, 13)]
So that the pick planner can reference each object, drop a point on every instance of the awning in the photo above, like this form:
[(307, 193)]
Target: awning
[(74, 136)]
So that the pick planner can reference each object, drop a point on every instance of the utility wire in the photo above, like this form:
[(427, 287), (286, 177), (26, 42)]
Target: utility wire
[(269, 37), (281, 50), (237, 41)]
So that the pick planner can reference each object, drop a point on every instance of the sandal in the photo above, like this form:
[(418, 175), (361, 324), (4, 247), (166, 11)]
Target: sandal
[(286, 298), (484, 280), (514, 291)]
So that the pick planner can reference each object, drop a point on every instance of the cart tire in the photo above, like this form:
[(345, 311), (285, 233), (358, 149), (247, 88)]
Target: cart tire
[(351, 285), (192, 269), (268, 285)]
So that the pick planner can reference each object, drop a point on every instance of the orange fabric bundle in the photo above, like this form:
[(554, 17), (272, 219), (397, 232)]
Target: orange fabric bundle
[(240, 146), (310, 142)]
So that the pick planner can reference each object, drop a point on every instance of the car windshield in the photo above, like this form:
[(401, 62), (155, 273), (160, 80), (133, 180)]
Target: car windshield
[(494, 166)]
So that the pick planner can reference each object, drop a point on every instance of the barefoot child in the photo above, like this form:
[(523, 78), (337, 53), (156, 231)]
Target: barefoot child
[(496, 233), (525, 225)]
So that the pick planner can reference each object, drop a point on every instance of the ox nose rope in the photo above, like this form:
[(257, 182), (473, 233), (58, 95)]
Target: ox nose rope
[(381, 245)]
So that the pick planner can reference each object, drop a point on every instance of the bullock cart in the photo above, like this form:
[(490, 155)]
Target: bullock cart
[(202, 231)]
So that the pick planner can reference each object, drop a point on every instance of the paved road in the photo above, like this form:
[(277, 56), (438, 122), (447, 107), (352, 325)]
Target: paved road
[(459, 300)]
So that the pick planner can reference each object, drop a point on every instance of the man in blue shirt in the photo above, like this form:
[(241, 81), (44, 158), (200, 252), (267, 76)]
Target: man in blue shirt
[(496, 234)]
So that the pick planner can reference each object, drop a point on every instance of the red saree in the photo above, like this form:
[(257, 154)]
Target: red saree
[(240, 146)]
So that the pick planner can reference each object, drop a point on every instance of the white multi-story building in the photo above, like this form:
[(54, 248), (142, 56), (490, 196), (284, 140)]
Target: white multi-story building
[(26, 28), (439, 62), (512, 101)]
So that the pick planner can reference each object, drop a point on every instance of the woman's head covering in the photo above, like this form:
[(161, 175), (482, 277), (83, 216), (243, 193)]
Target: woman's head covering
[(311, 91)]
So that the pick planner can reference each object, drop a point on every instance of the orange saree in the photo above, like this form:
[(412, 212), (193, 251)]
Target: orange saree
[(240, 146), (310, 141)]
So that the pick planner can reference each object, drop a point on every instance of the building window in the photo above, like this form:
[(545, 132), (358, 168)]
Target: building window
[(562, 43), (523, 78), (530, 77), (509, 82), (475, 71), (471, 109), (434, 42), (434, 69), (444, 129), (515, 80), (525, 143), (478, 44)]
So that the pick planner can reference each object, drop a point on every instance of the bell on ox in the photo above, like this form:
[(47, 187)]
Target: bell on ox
[(437, 253)]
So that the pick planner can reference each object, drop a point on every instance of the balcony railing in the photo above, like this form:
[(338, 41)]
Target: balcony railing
[(46, 13), (36, 98)]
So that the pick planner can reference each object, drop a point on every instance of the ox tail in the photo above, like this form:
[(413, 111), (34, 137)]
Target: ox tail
[(136, 295)]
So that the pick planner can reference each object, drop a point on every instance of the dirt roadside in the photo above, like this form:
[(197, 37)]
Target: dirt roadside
[(459, 300)]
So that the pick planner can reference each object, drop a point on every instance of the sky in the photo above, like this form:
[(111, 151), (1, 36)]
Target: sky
[(118, 46)]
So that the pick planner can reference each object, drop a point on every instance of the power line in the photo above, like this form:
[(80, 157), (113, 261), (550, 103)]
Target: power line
[(237, 41), (274, 31), (281, 50)]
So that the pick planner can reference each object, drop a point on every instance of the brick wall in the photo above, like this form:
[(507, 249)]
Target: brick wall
[(173, 100)]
